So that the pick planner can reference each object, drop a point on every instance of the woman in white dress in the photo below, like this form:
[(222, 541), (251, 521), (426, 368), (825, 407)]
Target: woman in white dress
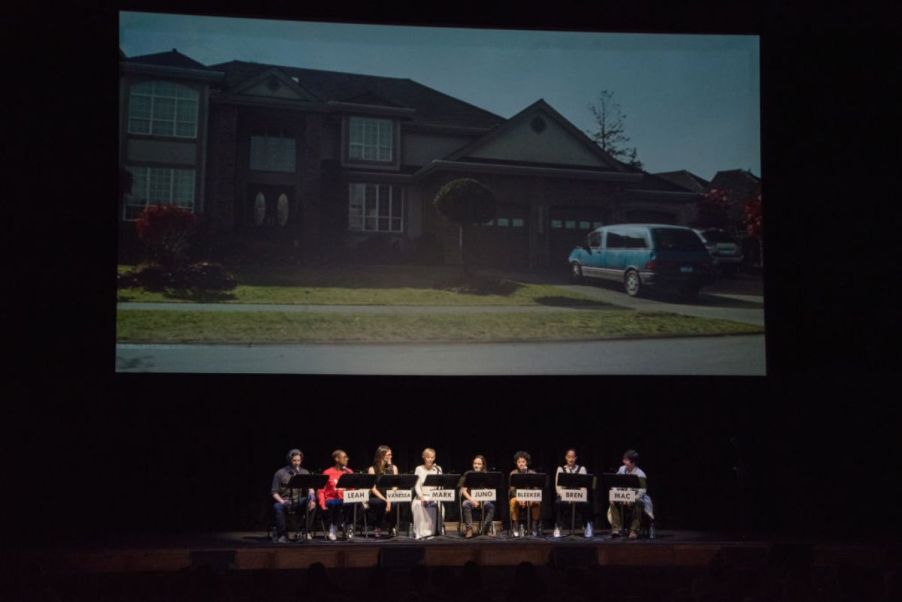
[(424, 508)]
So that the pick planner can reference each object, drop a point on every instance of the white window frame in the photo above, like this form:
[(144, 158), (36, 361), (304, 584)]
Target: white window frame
[(369, 151), (272, 141), (138, 90), (395, 196), (142, 198)]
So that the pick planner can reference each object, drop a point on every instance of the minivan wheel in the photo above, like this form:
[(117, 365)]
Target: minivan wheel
[(576, 272), (632, 283)]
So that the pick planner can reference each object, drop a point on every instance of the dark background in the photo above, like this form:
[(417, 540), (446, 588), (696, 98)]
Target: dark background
[(88, 453)]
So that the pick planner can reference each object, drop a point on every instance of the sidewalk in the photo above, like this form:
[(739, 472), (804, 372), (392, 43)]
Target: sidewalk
[(370, 309)]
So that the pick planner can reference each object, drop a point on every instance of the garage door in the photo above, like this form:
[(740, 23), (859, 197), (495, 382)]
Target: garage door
[(568, 227), (502, 242), (650, 216)]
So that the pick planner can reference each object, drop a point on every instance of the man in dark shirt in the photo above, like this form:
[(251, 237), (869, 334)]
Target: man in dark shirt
[(286, 500)]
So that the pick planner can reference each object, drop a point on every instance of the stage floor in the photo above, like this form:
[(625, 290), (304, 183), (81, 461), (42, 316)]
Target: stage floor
[(255, 551)]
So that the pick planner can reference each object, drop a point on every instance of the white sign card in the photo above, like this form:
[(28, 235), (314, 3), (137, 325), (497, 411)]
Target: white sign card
[(574, 495), (442, 495), (529, 495), (483, 495), (398, 495), (623, 496), (356, 496)]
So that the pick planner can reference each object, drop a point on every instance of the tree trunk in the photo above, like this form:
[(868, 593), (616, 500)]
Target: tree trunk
[(463, 261)]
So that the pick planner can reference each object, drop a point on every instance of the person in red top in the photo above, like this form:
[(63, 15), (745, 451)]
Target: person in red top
[(331, 498)]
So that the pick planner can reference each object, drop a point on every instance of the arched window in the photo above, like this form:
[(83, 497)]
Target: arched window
[(259, 209), (282, 209), (162, 109)]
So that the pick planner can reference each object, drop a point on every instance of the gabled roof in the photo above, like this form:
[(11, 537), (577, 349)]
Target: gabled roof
[(540, 106), (277, 78), (430, 106), (684, 179), (738, 182), (173, 58)]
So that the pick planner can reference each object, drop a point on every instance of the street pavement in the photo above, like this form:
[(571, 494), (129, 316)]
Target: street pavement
[(734, 355)]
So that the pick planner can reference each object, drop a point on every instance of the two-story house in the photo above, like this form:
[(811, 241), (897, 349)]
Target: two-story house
[(326, 162)]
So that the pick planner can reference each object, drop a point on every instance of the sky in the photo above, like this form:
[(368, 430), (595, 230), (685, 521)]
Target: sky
[(691, 101)]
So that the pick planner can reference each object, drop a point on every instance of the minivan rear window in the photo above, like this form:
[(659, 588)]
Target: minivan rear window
[(675, 239)]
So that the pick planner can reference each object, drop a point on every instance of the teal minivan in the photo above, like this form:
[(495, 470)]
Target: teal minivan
[(644, 255)]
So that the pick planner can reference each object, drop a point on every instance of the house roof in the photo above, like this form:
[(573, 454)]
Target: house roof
[(173, 58), (540, 106), (738, 182), (430, 106), (685, 179)]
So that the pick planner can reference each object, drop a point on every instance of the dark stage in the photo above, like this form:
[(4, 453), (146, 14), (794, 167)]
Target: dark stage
[(253, 550)]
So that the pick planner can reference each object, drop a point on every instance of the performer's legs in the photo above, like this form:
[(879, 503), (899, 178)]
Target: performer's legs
[(377, 513), (514, 507), (636, 518), (466, 509), (488, 509), (615, 517), (279, 511)]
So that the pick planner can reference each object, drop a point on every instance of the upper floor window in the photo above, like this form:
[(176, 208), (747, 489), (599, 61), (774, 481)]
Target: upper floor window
[(159, 186), (162, 109), (273, 150), (371, 139)]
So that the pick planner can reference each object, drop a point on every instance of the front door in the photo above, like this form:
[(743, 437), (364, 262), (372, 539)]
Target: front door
[(269, 212)]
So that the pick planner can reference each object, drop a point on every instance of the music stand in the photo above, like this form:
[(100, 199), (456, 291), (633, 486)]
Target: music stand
[(621, 481), (575, 480), (403, 482), (534, 480), (306, 482), (356, 480), (441, 481), (482, 480)]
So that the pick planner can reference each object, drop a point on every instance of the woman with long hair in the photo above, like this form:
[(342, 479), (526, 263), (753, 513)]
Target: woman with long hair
[(379, 506)]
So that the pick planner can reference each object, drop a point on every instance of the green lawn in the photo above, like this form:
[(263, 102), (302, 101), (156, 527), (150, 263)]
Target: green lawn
[(281, 327), (368, 285)]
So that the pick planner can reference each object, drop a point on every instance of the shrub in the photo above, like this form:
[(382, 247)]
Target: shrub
[(167, 231), (151, 276), (203, 276), (473, 284), (126, 280)]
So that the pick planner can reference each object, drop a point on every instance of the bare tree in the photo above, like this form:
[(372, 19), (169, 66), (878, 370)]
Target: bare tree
[(609, 131)]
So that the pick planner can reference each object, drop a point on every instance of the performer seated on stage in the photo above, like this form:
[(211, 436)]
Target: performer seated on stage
[(570, 467), (468, 504), (424, 509), (286, 500), (523, 459), (379, 507), (630, 457), (331, 498)]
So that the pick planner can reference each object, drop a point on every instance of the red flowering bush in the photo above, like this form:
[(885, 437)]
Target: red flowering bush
[(752, 217), (712, 209), (168, 232)]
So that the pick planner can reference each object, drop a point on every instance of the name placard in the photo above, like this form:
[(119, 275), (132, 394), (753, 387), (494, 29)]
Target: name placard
[(398, 495), (574, 495), (483, 495), (442, 495), (624, 496), (529, 495), (356, 496)]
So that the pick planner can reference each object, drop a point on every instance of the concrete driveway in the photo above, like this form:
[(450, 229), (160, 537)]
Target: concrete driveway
[(740, 298)]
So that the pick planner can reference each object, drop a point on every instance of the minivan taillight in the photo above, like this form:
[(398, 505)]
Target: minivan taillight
[(651, 266)]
